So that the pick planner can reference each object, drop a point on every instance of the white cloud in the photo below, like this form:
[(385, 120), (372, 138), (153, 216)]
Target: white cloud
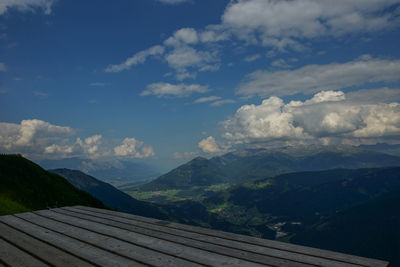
[(26, 5), (173, 90), (207, 99), (3, 67), (252, 58), (173, 2), (326, 116), (133, 148), (267, 121), (378, 95), (136, 59), (185, 58), (313, 78), (184, 35), (280, 63), (214, 33), (30, 136), (89, 147), (209, 145), (38, 139), (222, 102), (280, 23)]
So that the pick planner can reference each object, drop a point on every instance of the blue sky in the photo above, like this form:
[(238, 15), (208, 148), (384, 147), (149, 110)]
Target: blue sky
[(163, 81)]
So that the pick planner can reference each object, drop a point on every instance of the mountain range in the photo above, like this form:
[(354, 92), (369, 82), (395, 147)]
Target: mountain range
[(201, 177), (339, 198)]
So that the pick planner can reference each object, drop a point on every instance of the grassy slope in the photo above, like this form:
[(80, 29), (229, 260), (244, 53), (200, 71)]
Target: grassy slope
[(24, 186)]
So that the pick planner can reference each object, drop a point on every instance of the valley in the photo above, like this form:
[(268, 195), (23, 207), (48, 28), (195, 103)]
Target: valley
[(274, 194)]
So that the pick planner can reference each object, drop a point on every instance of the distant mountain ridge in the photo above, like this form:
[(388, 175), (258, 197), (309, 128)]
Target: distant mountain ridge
[(252, 164), (116, 172)]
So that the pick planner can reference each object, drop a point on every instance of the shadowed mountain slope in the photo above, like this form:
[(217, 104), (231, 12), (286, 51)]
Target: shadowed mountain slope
[(110, 196), (25, 186)]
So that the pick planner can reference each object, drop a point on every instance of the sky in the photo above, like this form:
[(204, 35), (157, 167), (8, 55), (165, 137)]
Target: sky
[(163, 81)]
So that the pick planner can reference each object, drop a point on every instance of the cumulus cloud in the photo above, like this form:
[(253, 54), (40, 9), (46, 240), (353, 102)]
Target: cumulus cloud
[(136, 59), (173, 90), (26, 5), (38, 139), (328, 115), (280, 24), (133, 148), (89, 147), (3, 67), (313, 78), (209, 145), (30, 136)]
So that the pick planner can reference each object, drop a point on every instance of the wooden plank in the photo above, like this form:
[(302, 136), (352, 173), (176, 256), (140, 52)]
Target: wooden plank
[(14, 256), (253, 240), (40, 249), (156, 243), (91, 253), (187, 242), (112, 244), (219, 245)]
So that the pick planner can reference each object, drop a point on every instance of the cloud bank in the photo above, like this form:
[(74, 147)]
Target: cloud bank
[(39, 139), (280, 24), (313, 78), (328, 117)]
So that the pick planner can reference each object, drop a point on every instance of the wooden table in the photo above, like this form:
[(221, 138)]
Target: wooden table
[(83, 236)]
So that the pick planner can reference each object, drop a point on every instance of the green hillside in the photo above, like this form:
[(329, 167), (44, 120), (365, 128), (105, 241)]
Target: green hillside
[(25, 186)]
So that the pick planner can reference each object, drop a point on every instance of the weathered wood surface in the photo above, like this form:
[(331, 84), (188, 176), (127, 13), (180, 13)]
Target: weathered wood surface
[(83, 236)]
